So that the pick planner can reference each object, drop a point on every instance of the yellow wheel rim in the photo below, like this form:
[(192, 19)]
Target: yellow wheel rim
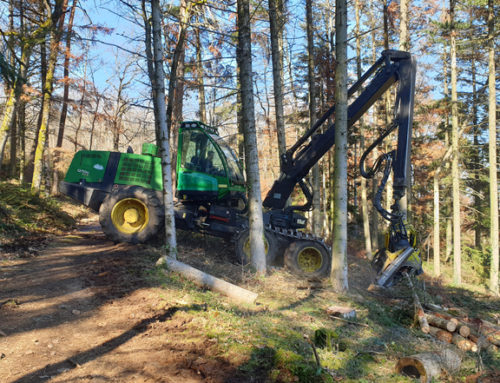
[(246, 247), (310, 259), (130, 215)]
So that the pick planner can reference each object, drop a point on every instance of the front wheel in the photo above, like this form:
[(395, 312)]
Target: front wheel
[(131, 214), (308, 258), (242, 247)]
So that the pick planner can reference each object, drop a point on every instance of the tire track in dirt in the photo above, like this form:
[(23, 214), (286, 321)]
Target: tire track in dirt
[(82, 311)]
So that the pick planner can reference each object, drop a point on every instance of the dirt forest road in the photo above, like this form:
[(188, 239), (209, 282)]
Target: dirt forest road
[(82, 311)]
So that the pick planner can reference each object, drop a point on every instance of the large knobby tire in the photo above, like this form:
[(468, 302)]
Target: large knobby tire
[(308, 258), (131, 214), (242, 247)]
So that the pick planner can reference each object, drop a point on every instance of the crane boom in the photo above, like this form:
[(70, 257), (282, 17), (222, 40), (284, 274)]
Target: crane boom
[(393, 66)]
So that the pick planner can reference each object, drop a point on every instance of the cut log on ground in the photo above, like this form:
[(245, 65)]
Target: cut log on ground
[(464, 330), (341, 311), (463, 344), (440, 334), (445, 324), (429, 365), (206, 280), (419, 311)]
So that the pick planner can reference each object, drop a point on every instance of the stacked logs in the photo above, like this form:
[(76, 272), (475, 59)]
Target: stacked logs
[(466, 334)]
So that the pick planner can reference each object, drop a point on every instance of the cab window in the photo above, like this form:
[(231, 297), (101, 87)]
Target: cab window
[(200, 154)]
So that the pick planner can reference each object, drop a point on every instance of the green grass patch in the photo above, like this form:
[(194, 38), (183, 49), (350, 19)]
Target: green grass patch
[(24, 212)]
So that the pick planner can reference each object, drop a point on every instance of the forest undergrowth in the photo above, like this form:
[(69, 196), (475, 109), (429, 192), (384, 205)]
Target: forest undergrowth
[(272, 340)]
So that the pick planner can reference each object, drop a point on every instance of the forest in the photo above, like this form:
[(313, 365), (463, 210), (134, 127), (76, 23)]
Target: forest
[(77, 76), (256, 189)]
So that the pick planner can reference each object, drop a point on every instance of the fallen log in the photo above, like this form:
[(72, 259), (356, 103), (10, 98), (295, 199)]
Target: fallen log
[(491, 333), (486, 329), (445, 324), (440, 334), (463, 344), (206, 280), (429, 365), (419, 311), (464, 330)]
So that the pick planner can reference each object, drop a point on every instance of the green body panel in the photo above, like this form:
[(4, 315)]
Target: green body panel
[(141, 170), (197, 181), (87, 165), (207, 169), (150, 149)]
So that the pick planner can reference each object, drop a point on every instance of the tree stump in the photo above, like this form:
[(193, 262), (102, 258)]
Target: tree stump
[(429, 365)]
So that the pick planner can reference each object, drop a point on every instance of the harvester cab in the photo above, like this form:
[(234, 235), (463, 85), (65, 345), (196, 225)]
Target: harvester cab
[(207, 168)]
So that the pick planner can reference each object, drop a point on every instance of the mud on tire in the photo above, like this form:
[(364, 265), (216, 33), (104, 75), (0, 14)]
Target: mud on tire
[(131, 214), (242, 247), (308, 258)]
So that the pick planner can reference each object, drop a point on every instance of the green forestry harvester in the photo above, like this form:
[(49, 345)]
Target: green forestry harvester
[(126, 188)]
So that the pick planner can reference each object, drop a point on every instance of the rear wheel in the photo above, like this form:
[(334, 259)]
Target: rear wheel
[(131, 214), (308, 258), (243, 254)]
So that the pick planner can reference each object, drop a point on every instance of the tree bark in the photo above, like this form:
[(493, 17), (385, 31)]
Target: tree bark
[(316, 203), (56, 21), (339, 248), (199, 73), (276, 21), (436, 245), (176, 87), (492, 151), (244, 59), (364, 199), (159, 93), (150, 65), (429, 365), (67, 53), (457, 251), (200, 278)]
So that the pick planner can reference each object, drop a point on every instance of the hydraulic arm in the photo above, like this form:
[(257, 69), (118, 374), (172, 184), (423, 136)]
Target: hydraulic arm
[(392, 67)]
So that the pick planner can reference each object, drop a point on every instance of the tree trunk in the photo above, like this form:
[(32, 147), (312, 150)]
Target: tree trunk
[(8, 117), (159, 93), (199, 72), (200, 278), (276, 21), (316, 203), (175, 87), (437, 264), (150, 65), (475, 160), (429, 365), (8, 120), (492, 151), (244, 59), (22, 138), (364, 199), (13, 144), (80, 109), (56, 20), (404, 44), (457, 255), (67, 54), (339, 248)]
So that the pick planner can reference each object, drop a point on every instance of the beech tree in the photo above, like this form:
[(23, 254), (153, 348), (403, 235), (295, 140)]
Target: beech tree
[(159, 94), (339, 248), (244, 58)]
